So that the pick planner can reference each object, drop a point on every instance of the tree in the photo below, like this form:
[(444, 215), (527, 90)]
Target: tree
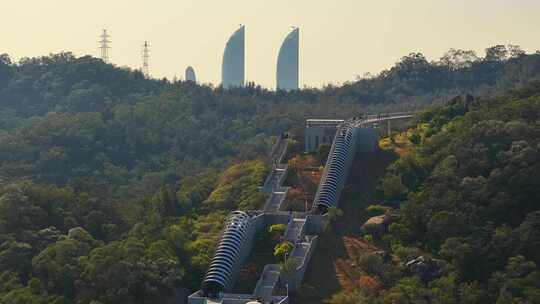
[(18, 211), (393, 188), (5, 70), (371, 263), (322, 153), (519, 283), (457, 59), (345, 297), (331, 216), (277, 231), (407, 291), (515, 51), (375, 210), (288, 267), (445, 224), (195, 189), (415, 138), (528, 234), (60, 265), (165, 202), (16, 257), (496, 53)]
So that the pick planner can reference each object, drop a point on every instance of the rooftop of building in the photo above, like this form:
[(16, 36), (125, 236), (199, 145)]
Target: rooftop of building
[(323, 121)]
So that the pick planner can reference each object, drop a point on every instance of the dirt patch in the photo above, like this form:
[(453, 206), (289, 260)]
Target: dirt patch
[(348, 274), (332, 267)]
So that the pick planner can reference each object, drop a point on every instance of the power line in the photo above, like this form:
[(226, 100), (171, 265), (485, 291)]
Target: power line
[(104, 46)]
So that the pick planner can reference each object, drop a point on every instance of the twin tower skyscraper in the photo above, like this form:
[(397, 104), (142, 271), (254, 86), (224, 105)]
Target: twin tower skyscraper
[(233, 67)]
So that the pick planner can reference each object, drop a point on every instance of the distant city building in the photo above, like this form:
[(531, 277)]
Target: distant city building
[(288, 62), (232, 70), (190, 74)]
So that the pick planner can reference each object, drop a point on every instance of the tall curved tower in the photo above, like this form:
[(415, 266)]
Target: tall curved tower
[(190, 74), (288, 62), (232, 69)]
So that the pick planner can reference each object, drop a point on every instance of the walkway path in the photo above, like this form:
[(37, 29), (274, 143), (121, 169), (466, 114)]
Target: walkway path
[(278, 151), (274, 181), (268, 282), (295, 231), (274, 202), (383, 117), (275, 178)]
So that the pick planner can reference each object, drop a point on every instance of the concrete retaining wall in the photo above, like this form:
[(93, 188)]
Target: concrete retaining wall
[(301, 270), (294, 281), (314, 224), (367, 139)]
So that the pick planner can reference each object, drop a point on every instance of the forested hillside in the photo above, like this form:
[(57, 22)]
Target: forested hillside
[(64, 245), (70, 120), (113, 187), (466, 199), (65, 83)]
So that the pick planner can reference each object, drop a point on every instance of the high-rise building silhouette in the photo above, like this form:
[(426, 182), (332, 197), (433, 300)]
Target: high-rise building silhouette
[(288, 62), (104, 46), (190, 74), (232, 69)]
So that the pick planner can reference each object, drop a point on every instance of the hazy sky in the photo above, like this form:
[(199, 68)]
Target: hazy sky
[(339, 39)]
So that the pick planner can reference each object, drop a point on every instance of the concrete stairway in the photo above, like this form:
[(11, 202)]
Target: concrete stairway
[(295, 230), (275, 178), (274, 202), (267, 283), (300, 251)]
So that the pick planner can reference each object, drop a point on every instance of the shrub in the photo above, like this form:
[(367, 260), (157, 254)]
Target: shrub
[(288, 267), (375, 210), (415, 138), (368, 238), (283, 248), (277, 231), (371, 263)]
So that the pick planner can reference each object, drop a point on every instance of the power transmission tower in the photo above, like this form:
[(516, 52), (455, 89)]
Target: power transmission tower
[(104, 46), (145, 57)]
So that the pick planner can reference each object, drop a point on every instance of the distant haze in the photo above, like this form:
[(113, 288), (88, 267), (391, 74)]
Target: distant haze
[(339, 39)]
